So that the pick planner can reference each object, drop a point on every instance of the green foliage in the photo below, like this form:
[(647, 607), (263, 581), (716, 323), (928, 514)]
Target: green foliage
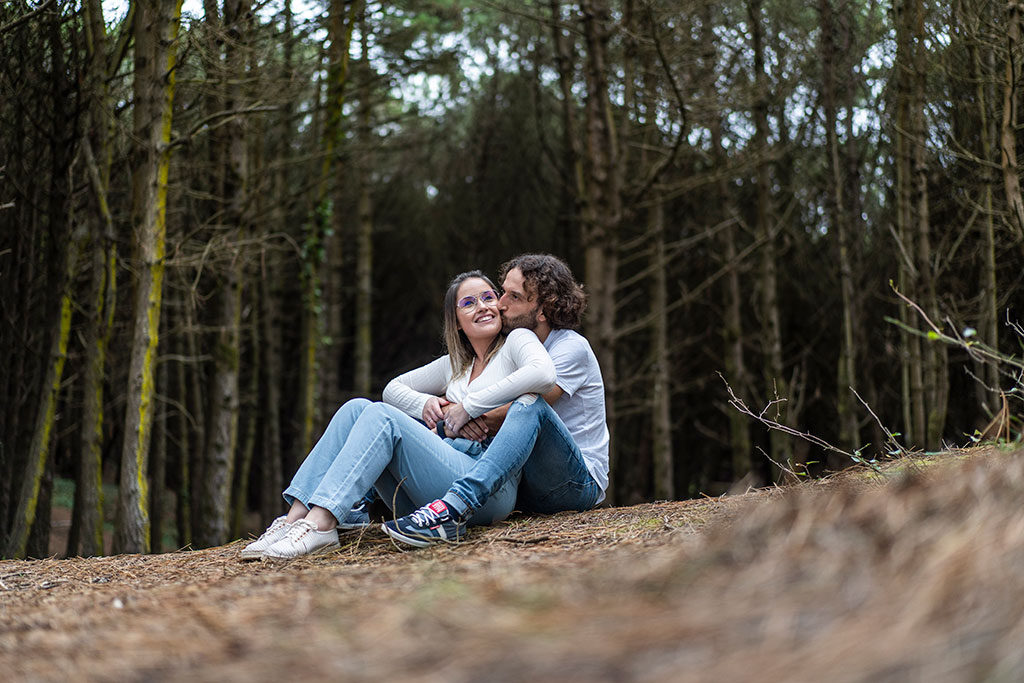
[(871, 463)]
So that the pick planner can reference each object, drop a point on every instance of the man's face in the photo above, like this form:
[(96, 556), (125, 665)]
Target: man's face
[(517, 307)]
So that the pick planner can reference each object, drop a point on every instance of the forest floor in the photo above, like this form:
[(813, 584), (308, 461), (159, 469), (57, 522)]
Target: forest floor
[(916, 574)]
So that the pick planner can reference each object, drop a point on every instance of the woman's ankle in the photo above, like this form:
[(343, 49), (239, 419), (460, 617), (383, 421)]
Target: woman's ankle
[(322, 518)]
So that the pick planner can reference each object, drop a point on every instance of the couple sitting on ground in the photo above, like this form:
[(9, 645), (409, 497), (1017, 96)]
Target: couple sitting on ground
[(432, 450)]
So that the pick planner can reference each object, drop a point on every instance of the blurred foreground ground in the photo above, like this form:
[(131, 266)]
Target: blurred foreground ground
[(917, 575)]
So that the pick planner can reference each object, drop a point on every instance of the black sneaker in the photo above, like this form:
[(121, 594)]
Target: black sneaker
[(356, 518), (433, 523)]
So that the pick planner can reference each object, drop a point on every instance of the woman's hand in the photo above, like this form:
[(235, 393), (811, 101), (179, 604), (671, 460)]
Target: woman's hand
[(456, 418), (433, 410)]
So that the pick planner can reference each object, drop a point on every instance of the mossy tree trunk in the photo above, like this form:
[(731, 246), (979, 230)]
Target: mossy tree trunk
[(57, 251), (42, 434), (156, 32), (97, 143)]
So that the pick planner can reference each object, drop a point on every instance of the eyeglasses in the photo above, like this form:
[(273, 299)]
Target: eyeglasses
[(468, 304)]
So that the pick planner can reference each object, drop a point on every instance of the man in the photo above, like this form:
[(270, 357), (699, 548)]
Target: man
[(560, 444)]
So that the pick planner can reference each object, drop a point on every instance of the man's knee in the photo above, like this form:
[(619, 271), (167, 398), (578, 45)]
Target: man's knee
[(526, 410)]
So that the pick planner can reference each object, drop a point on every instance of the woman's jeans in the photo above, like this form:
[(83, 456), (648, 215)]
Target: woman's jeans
[(374, 445), (534, 442)]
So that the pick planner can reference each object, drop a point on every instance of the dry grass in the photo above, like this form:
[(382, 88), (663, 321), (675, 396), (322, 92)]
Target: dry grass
[(852, 579)]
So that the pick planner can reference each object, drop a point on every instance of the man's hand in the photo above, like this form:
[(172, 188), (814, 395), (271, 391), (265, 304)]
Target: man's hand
[(488, 424), (433, 410), (475, 430), (493, 419)]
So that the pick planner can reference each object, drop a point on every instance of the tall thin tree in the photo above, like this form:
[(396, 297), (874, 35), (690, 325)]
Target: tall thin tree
[(156, 33)]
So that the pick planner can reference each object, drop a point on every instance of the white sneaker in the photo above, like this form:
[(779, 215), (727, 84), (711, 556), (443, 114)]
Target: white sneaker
[(274, 533), (302, 539)]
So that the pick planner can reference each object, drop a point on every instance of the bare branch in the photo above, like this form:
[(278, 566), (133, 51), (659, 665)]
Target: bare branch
[(221, 118), (895, 447), (11, 25), (656, 172), (739, 405), (977, 350)]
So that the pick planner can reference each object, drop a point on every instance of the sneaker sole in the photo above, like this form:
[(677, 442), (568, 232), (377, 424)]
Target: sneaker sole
[(251, 555), (319, 551), (353, 527), (416, 541)]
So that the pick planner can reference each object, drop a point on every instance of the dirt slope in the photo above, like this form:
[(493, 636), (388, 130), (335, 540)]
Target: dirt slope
[(915, 576)]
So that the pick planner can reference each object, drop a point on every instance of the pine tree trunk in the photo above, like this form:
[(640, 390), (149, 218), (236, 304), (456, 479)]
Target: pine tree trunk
[(39, 538), (184, 432), (364, 293), (250, 417), (192, 396), (936, 372), (643, 103), (269, 444), (912, 382), (847, 372), (661, 387), (364, 239), (575, 182), (271, 479), (774, 372), (158, 466), (602, 206), (1008, 137), (156, 31), (87, 524), (734, 360), (223, 394), (342, 16), (31, 482), (989, 316)]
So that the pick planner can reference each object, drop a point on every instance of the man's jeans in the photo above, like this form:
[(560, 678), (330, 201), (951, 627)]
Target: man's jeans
[(374, 445), (532, 440)]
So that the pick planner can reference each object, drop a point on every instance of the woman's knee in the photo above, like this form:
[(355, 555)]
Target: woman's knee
[(378, 409), (352, 407)]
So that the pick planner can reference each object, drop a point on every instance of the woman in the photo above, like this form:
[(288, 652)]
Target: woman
[(386, 447)]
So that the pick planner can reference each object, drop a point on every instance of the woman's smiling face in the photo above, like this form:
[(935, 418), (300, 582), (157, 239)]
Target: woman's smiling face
[(479, 320)]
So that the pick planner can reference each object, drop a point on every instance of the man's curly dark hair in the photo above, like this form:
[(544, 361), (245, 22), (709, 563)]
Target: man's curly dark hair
[(549, 279)]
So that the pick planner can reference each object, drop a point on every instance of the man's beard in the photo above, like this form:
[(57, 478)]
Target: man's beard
[(527, 321)]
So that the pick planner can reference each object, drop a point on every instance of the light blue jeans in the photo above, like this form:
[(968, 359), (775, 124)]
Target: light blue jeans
[(534, 442), (374, 445)]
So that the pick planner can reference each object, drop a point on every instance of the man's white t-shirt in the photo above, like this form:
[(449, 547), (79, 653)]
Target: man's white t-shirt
[(581, 407)]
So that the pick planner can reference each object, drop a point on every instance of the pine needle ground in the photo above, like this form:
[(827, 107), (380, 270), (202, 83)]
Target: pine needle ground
[(914, 575)]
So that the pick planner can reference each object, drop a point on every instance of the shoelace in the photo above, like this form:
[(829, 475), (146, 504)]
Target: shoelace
[(425, 516), (273, 528), (300, 529)]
